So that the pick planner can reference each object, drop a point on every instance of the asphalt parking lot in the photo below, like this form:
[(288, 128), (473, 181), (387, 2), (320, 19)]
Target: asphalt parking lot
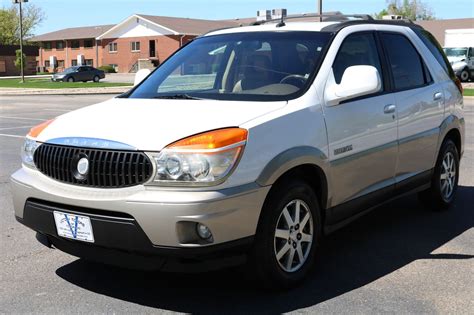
[(401, 258)]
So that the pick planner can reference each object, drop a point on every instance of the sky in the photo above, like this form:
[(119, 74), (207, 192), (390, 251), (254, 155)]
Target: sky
[(74, 13)]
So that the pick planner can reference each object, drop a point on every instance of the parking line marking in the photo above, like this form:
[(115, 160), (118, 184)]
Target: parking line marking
[(22, 118), (13, 136), (19, 127)]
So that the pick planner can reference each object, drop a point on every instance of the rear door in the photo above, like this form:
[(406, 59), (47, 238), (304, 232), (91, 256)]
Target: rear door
[(420, 104), (362, 132)]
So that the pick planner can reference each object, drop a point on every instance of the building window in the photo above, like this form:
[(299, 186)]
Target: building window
[(60, 45), (113, 47), (60, 63), (75, 44), (47, 45), (47, 64), (135, 46), (74, 62), (88, 43), (89, 62)]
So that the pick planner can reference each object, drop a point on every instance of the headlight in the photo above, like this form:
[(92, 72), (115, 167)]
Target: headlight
[(28, 151), (30, 145), (204, 159)]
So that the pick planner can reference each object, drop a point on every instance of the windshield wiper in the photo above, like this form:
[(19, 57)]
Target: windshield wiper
[(178, 97)]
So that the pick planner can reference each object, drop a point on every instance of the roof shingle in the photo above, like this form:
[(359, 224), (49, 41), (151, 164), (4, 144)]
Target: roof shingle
[(73, 33)]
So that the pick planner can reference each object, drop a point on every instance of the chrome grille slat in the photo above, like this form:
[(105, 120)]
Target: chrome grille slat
[(107, 168)]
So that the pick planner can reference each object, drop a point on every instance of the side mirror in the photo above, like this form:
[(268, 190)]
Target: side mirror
[(141, 75), (356, 81)]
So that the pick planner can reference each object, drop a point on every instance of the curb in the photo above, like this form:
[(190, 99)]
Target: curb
[(95, 91)]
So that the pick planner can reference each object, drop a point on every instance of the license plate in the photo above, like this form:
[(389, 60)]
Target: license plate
[(74, 226)]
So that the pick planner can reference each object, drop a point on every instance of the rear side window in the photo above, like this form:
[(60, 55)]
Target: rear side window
[(407, 67), (432, 44), (358, 49)]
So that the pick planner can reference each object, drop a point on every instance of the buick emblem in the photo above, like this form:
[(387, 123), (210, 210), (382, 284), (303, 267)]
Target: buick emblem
[(83, 166)]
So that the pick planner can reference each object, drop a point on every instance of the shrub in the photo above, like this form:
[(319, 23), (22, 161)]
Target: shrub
[(107, 69)]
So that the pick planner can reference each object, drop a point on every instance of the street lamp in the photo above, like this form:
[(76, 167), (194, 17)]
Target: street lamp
[(320, 10), (21, 39)]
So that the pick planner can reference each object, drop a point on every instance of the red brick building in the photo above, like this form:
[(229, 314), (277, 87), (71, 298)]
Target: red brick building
[(144, 41), (140, 41), (8, 57)]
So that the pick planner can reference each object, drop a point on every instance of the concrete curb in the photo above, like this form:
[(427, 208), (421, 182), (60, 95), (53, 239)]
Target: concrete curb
[(77, 91)]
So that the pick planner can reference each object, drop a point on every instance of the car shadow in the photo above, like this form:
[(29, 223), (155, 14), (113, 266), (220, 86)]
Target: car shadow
[(376, 245)]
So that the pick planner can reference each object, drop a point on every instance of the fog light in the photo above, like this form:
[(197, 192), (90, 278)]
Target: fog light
[(203, 231)]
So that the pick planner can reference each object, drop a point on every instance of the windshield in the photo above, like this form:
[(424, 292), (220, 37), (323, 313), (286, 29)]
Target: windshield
[(455, 52), (241, 66), (69, 70)]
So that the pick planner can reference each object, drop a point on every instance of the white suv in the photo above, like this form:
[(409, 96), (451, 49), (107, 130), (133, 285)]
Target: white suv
[(250, 142)]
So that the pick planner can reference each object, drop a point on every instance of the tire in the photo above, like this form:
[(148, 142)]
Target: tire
[(464, 76), (444, 184), (278, 240), (70, 79), (96, 79)]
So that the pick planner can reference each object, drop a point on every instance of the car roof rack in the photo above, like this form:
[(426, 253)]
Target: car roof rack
[(331, 18), (339, 26)]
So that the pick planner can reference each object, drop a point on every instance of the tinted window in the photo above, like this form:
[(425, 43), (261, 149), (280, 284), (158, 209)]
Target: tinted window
[(262, 66), (435, 48), (406, 64), (356, 50), (75, 44)]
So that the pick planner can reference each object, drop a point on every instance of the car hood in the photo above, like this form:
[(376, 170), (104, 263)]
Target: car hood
[(150, 125), (454, 59)]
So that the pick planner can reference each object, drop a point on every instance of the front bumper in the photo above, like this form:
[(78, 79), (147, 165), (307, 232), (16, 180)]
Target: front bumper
[(149, 218)]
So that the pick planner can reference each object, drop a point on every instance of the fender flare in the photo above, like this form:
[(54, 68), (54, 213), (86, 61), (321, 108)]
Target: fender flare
[(291, 158)]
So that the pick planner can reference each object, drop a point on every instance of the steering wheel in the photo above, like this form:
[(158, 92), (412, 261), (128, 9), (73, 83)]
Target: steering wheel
[(294, 79)]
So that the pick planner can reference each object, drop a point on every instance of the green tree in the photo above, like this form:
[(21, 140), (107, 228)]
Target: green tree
[(18, 59), (409, 9), (33, 16)]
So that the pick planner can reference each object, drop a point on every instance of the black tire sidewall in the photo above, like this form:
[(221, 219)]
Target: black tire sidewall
[(96, 77), (467, 77), (448, 146), (70, 79), (264, 259)]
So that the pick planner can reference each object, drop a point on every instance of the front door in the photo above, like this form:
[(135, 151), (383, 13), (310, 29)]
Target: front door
[(362, 133), (420, 103), (152, 49)]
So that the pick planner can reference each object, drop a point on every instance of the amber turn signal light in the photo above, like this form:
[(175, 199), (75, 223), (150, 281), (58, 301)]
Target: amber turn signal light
[(212, 139), (35, 131)]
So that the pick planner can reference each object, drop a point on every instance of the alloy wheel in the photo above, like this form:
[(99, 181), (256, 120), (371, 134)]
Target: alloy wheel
[(448, 176), (293, 236)]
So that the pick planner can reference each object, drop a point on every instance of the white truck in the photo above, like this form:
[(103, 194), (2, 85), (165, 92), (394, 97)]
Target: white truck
[(459, 48)]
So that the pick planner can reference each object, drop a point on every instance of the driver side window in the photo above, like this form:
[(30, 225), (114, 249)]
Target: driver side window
[(358, 49)]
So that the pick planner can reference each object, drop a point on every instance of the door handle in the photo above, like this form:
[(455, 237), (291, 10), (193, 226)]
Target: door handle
[(389, 109), (437, 96)]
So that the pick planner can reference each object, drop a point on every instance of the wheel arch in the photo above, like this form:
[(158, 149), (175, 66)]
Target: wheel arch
[(307, 163), (452, 128)]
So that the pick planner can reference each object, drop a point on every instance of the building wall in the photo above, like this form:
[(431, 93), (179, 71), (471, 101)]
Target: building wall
[(68, 54), (8, 57), (7, 66), (125, 58), (439, 27)]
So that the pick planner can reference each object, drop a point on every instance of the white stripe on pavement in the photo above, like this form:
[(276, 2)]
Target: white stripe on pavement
[(19, 127), (22, 118), (13, 136)]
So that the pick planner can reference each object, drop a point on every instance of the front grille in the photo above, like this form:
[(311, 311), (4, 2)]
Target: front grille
[(107, 168)]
